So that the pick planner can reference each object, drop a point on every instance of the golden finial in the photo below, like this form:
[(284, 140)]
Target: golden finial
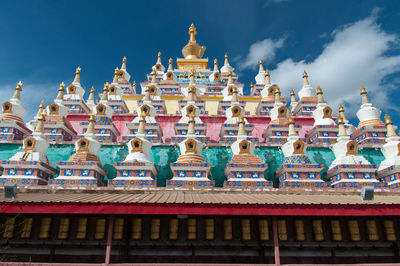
[(192, 33), (153, 76), (104, 97), (116, 72), (123, 66), (320, 95), (277, 94), (60, 95), (226, 59), (41, 109), (292, 130), (91, 95), (342, 130), (261, 67), (191, 125), (142, 124), (267, 77), (17, 92), (192, 50), (341, 113), (235, 97), (159, 58), (292, 96), (230, 79), (251, 85), (391, 132), (40, 125), (77, 78), (215, 65), (242, 126), (305, 79), (92, 122), (134, 84), (170, 67), (363, 92)]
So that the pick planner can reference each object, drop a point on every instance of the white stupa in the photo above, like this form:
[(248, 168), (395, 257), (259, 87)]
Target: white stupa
[(170, 75), (260, 77), (323, 113), (158, 67), (367, 114), (215, 75), (226, 68)]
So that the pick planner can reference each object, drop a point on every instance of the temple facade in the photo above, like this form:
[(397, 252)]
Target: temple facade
[(187, 167)]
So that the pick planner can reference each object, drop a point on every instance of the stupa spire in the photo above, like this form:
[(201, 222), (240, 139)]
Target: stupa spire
[(115, 79), (191, 125), (342, 130), (320, 95), (147, 97), (391, 132), (235, 97), (104, 97), (277, 94), (92, 121), (123, 66), (292, 130), (292, 96), (170, 67), (17, 92), (91, 95), (142, 124), (261, 66), (215, 65), (40, 125), (60, 95), (226, 62), (191, 94), (230, 79), (341, 113), (158, 58), (363, 92), (77, 78), (41, 109), (267, 77), (242, 126), (153, 76), (305, 79)]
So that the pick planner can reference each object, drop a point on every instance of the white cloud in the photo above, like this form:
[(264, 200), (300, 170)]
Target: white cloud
[(264, 50), (356, 56)]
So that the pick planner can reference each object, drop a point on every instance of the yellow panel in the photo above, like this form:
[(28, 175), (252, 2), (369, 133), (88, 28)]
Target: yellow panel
[(390, 233), (155, 229), (228, 229), (211, 106), (173, 229), (63, 228), (82, 225), (263, 229), (100, 228), (132, 105), (137, 228), (318, 230), (300, 235), (372, 230), (336, 230), (9, 227), (27, 227), (210, 231), (191, 229), (246, 230), (118, 228), (354, 230), (251, 107), (282, 230), (45, 228), (172, 106)]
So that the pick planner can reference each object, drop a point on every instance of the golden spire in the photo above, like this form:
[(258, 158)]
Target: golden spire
[(292, 96), (192, 49), (235, 97), (104, 97), (170, 67), (277, 94), (77, 78), (215, 65), (60, 95), (242, 126), (342, 130), (91, 95), (305, 79), (123, 66), (320, 95), (267, 77), (341, 113), (115, 79), (261, 67), (142, 124), (391, 132), (191, 125), (292, 129), (230, 79), (153, 76), (17, 92), (41, 109), (134, 84), (191, 94), (226, 62), (40, 125), (158, 58), (363, 92), (92, 121)]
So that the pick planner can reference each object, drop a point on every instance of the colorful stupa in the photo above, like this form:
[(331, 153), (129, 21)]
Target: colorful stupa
[(197, 169)]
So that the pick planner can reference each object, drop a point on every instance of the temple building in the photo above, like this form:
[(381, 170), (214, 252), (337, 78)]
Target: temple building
[(195, 167)]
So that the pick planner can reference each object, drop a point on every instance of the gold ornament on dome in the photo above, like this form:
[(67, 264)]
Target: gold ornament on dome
[(192, 49)]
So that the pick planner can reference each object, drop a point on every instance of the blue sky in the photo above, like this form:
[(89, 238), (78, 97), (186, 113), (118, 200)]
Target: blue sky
[(342, 44)]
